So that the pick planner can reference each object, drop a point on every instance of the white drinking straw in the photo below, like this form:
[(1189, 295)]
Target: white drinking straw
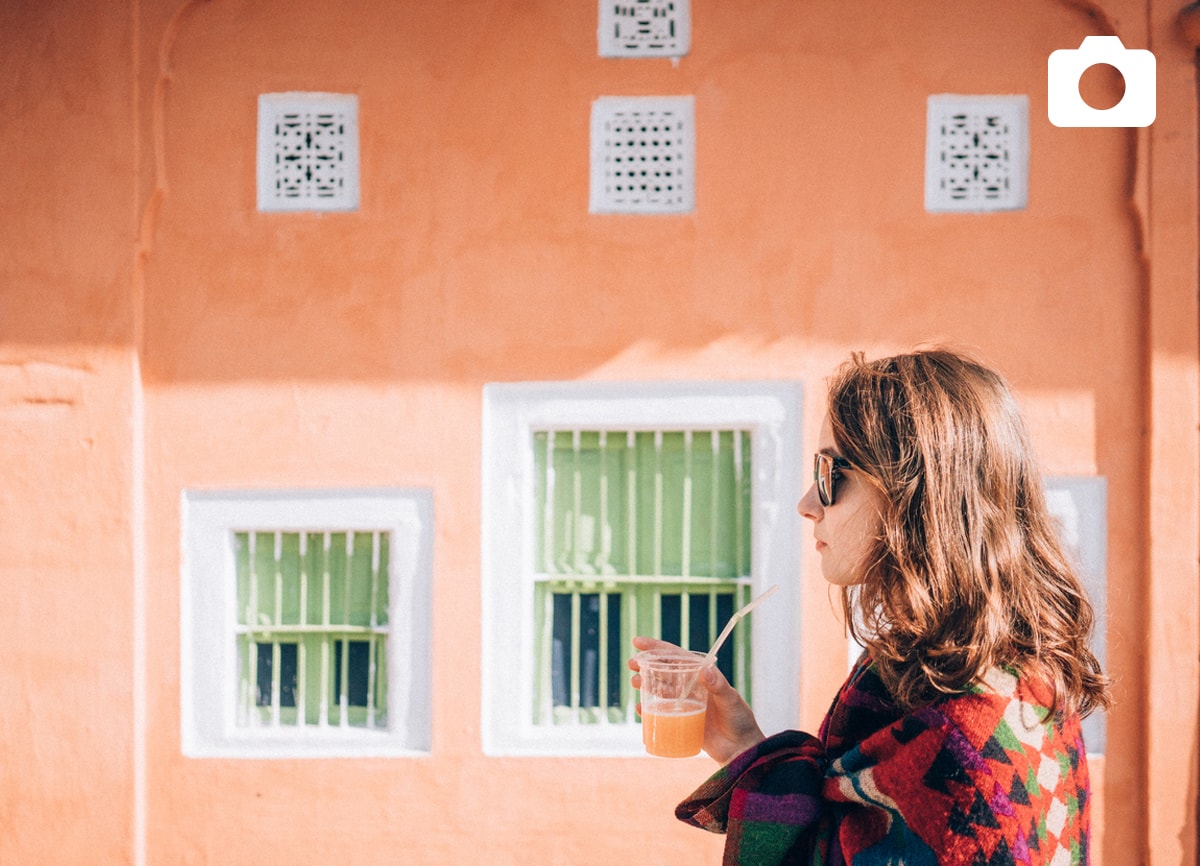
[(733, 620), (711, 656)]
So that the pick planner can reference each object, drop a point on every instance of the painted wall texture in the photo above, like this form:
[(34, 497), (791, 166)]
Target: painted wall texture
[(158, 333)]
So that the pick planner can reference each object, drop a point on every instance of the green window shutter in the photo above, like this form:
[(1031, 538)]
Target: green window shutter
[(635, 532), (312, 628)]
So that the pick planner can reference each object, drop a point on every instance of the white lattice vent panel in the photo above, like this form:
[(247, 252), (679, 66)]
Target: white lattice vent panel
[(643, 154), (645, 28), (977, 153), (307, 151)]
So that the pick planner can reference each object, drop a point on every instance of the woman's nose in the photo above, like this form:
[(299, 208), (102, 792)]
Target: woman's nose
[(810, 504)]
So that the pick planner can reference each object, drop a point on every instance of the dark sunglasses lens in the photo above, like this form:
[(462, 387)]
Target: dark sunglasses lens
[(823, 473)]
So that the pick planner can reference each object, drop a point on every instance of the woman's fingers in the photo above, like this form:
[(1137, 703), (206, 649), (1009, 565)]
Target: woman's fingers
[(642, 644), (647, 643)]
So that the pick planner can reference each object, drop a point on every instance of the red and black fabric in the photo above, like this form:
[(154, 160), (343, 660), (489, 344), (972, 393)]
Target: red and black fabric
[(987, 777)]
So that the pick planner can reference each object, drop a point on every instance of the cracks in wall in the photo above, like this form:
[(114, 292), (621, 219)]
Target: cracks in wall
[(41, 386), (1135, 174), (1135, 188), (143, 251), (1159, 833), (153, 203)]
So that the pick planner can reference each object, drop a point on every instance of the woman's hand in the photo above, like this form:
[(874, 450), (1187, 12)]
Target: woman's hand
[(729, 724)]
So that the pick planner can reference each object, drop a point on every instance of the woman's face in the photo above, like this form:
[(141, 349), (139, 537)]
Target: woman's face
[(846, 530)]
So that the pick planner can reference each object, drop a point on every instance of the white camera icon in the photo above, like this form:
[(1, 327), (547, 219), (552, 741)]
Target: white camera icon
[(1065, 67)]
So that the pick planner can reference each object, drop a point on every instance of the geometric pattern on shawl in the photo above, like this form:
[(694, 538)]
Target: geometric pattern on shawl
[(984, 777)]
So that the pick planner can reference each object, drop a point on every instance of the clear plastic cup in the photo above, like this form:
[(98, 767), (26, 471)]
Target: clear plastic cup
[(674, 701)]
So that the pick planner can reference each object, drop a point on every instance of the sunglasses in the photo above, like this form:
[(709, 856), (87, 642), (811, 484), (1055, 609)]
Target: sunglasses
[(826, 470)]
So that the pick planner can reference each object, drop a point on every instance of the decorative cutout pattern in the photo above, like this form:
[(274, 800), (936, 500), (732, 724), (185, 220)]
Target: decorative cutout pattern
[(307, 152), (643, 155), (644, 28), (977, 153)]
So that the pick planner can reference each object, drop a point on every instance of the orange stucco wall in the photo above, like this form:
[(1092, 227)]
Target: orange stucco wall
[(158, 333)]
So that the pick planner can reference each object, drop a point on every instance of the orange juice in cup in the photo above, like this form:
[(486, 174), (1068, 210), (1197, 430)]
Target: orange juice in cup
[(674, 700), (674, 731)]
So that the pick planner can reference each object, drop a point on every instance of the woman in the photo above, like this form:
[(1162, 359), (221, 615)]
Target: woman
[(956, 738)]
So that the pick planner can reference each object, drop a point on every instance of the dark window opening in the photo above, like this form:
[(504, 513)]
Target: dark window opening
[(590, 648), (358, 676), (265, 662)]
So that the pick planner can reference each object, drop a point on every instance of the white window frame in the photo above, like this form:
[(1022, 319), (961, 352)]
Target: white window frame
[(209, 664), (511, 414)]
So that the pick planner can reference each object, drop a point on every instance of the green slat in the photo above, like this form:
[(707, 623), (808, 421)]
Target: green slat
[(685, 535)]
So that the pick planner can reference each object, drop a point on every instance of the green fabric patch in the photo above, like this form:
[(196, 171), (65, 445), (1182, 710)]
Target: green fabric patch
[(765, 842)]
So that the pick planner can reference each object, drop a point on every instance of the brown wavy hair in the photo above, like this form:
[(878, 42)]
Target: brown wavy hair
[(968, 572)]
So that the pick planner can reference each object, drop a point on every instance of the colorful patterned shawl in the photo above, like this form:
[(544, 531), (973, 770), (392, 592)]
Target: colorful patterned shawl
[(985, 777)]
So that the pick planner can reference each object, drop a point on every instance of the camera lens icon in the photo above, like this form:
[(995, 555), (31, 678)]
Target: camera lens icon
[(1065, 67)]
